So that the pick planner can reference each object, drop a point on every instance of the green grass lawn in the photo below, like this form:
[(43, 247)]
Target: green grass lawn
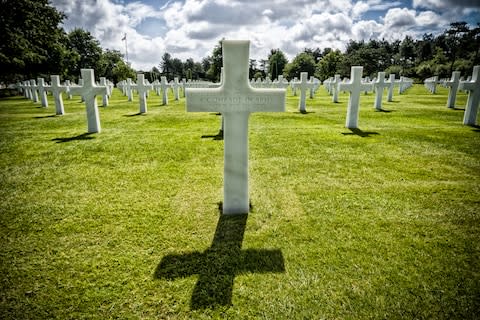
[(381, 223)]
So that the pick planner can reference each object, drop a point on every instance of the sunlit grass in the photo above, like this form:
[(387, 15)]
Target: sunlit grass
[(379, 223)]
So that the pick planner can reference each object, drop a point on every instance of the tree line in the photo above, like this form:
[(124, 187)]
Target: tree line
[(32, 44)]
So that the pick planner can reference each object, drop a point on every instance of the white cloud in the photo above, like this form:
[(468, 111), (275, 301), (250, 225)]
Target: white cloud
[(445, 4), (191, 28), (397, 18)]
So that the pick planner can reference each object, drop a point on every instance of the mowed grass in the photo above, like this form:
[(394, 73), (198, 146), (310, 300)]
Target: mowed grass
[(381, 223)]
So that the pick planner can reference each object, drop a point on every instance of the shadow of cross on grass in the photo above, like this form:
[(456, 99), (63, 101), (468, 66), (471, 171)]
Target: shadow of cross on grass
[(218, 265)]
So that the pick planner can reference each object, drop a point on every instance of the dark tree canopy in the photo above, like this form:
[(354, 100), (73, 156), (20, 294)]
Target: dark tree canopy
[(30, 38), (276, 63)]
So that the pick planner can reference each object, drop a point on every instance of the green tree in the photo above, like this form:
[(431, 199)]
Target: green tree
[(88, 49), (252, 68), (456, 41), (30, 39), (166, 65), (177, 69), (276, 63), (216, 63), (407, 53), (122, 71), (329, 65), (303, 62)]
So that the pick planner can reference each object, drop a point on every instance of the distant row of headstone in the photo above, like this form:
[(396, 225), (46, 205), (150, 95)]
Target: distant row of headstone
[(236, 97), (355, 85), (456, 83)]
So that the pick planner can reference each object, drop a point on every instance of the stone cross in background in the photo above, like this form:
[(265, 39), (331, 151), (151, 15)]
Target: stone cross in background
[(89, 91), (164, 86), (453, 84), (42, 92), (33, 87), (335, 82), (355, 86), (129, 89), (142, 90), (380, 84), (235, 99), (103, 82), (176, 87), (56, 89), (68, 85), (391, 81), (28, 90), (303, 86), (473, 88)]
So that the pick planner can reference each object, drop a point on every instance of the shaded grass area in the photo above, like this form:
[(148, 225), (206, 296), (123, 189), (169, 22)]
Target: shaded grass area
[(381, 222)]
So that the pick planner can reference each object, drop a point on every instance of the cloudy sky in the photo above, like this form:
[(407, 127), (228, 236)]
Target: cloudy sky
[(191, 28)]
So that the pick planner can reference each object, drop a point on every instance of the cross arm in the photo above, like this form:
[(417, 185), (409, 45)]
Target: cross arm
[(468, 85)]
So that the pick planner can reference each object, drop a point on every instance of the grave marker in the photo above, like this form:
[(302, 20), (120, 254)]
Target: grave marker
[(175, 85), (89, 90), (473, 101), (28, 90), (42, 92), (452, 93), (33, 87), (68, 85), (354, 86), (379, 86), (103, 82), (303, 86), (335, 83), (235, 99), (391, 80), (142, 90), (56, 89), (129, 89), (164, 86)]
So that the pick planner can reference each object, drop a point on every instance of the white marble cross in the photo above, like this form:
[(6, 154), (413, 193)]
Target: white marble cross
[(355, 86), (28, 90), (42, 92), (89, 90), (164, 86), (453, 84), (391, 81), (335, 82), (175, 86), (103, 82), (380, 84), (473, 101), (56, 89), (142, 89), (68, 85), (33, 86), (303, 86), (431, 84), (129, 88), (235, 99)]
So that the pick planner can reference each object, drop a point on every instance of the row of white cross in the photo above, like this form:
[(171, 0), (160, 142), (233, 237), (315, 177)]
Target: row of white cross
[(235, 98), (472, 85)]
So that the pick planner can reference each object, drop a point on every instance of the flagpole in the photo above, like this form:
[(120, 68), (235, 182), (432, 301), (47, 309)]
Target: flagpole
[(126, 46)]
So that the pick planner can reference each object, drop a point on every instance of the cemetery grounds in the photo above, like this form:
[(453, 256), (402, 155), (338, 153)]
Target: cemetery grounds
[(381, 222)]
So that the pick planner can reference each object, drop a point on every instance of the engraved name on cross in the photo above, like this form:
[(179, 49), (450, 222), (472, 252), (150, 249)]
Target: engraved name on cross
[(235, 99)]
